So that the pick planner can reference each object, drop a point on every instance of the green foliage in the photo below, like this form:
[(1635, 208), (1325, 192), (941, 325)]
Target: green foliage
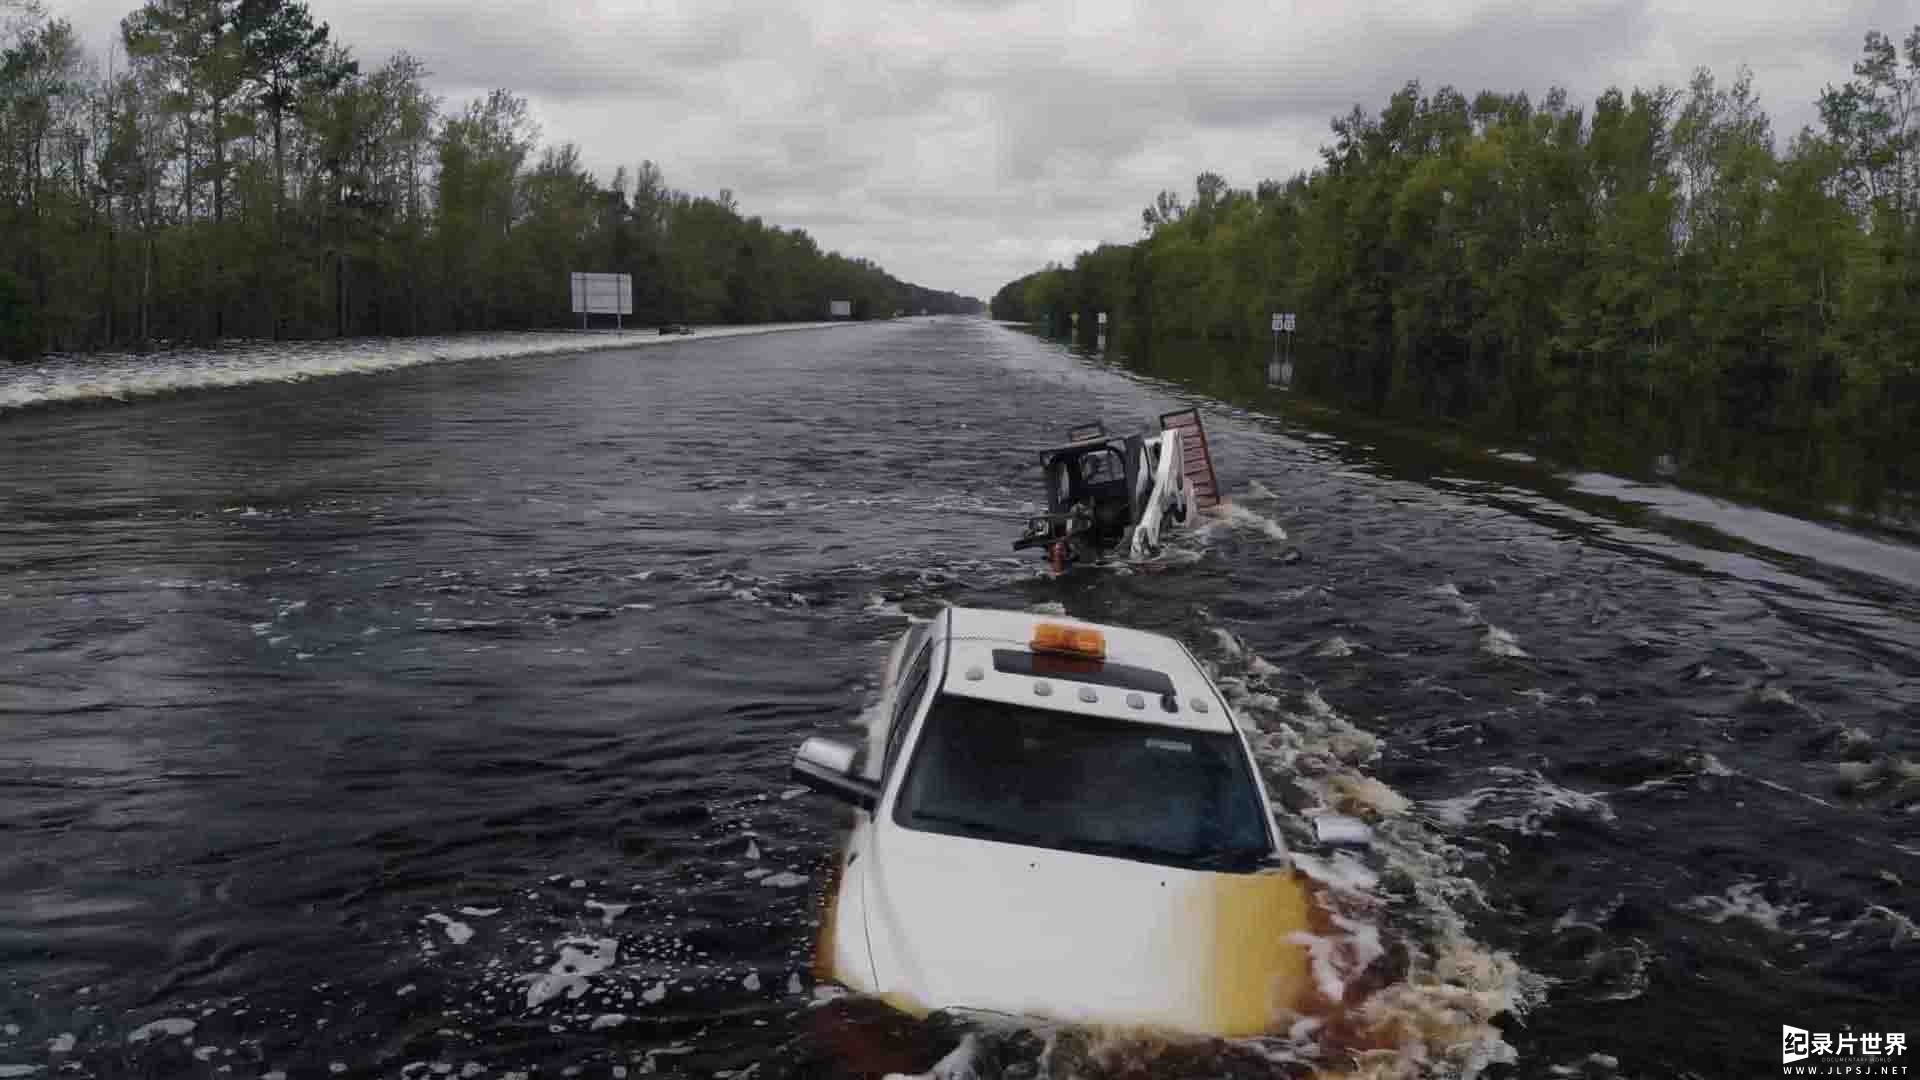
[(1651, 276), (18, 338), (242, 175)]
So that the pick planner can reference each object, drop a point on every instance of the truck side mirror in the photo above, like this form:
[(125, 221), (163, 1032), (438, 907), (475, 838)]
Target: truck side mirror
[(827, 767)]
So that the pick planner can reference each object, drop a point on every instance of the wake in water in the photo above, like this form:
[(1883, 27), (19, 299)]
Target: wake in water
[(1430, 1010), (106, 377), (1234, 513)]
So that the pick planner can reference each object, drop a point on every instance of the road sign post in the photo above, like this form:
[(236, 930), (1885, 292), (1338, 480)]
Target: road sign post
[(1284, 322)]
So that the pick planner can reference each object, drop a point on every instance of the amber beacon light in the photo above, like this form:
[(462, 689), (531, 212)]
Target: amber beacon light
[(1069, 641)]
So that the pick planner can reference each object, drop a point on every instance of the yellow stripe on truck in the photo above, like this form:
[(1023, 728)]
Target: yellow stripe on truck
[(1258, 975)]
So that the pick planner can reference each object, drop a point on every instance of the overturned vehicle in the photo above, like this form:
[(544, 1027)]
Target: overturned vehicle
[(1105, 492)]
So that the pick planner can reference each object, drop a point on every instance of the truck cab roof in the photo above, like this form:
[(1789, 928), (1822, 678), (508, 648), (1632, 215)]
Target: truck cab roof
[(1142, 677)]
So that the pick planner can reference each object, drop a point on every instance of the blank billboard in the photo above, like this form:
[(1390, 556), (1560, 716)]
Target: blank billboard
[(602, 294)]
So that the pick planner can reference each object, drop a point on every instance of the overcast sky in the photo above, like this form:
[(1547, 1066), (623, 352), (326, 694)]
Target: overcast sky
[(962, 144)]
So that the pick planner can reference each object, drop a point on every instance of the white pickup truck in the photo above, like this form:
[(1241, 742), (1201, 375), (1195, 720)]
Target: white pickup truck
[(1059, 820)]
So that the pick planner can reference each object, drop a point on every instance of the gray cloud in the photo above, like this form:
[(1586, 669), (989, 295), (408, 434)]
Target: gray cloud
[(963, 143)]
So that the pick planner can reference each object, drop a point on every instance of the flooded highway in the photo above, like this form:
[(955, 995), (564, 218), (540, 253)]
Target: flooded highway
[(431, 717)]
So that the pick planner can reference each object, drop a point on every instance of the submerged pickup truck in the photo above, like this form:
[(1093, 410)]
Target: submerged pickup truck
[(1058, 820)]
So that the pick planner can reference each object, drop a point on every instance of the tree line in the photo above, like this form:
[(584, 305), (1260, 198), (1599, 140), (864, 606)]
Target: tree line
[(232, 170), (1650, 273)]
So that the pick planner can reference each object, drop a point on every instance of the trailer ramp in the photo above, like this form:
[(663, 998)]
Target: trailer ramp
[(1196, 456)]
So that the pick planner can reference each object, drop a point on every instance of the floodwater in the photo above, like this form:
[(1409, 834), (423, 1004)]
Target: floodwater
[(433, 720)]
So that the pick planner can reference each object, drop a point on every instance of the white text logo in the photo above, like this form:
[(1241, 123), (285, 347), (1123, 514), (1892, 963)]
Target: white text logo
[(1799, 1044)]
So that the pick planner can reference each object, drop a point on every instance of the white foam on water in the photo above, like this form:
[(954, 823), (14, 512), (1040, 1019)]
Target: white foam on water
[(1785, 790), (1438, 1018), (1502, 643), (880, 605), (1255, 699), (1239, 517), (1521, 800), (607, 1020), (1335, 648), (1586, 1065), (608, 912), (1342, 872), (125, 377), (1318, 707), (175, 1026), (1700, 764), (1339, 959), (1904, 929), (1743, 901), (1468, 610), (581, 958), (1596, 919), (1259, 667), (1258, 490), (655, 994), (8, 1071), (752, 981), (1879, 770), (785, 879), (1365, 793), (1228, 643), (1179, 548), (457, 932), (480, 912)]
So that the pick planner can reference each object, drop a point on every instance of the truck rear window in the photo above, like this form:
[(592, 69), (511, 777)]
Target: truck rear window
[(1049, 779)]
